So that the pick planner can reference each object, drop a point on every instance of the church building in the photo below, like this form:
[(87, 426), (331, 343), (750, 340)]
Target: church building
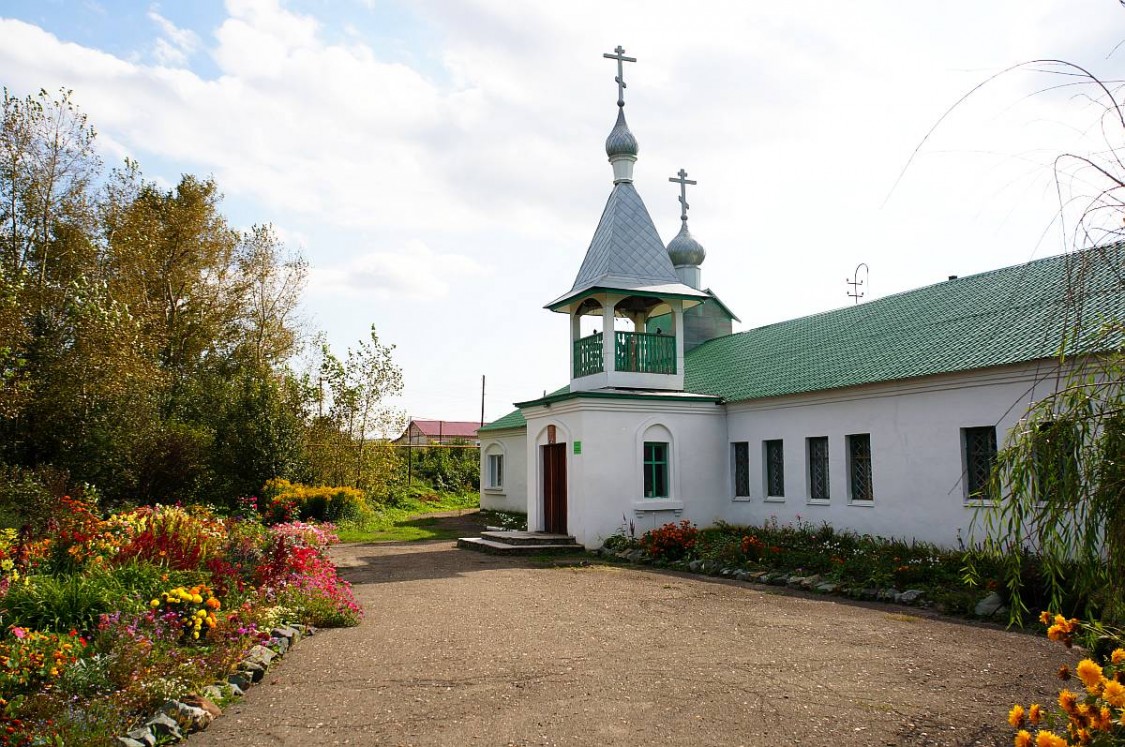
[(883, 418)]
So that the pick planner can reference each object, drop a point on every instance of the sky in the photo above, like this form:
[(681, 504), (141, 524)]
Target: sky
[(441, 163)]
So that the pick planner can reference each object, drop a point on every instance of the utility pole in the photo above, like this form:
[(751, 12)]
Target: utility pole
[(482, 400)]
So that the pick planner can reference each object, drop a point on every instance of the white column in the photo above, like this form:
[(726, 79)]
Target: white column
[(678, 331), (575, 332), (609, 338)]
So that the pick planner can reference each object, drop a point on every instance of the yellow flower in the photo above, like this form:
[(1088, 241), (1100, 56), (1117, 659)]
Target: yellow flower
[(197, 599), (1090, 674), (195, 635), (1023, 738), (1117, 656), (154, 603), (1068, 701), (1114, 694), (1015, 716), (1034, 714), (1049, 739)]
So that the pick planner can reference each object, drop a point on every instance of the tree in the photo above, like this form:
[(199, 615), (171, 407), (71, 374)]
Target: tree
[(1060, 477), (358, 386)]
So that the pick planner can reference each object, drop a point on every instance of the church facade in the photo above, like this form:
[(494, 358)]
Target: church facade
[(882, 418)]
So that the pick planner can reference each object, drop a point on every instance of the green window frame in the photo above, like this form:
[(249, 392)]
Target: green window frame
[(656, 469)]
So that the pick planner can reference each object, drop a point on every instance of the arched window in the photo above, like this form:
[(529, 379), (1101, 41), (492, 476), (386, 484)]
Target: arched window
[(494, 466)]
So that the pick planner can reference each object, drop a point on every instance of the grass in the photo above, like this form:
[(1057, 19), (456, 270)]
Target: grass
[(406, 520)]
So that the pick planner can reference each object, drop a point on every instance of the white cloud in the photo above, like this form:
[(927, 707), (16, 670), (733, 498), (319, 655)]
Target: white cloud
[(176, 45), (415, 272)]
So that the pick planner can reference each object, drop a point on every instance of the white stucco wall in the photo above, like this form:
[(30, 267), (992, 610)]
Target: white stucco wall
[(605, 481), (916, 448), (916, 444), (512, 494)]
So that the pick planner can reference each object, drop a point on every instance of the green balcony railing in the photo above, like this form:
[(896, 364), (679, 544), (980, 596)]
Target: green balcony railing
[(642, 352), (588, 355)]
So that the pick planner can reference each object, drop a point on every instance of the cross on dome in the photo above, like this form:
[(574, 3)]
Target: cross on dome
[(620, 57), (683, 181)]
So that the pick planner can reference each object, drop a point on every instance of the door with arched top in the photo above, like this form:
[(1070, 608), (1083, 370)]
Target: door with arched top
[(554, 488)]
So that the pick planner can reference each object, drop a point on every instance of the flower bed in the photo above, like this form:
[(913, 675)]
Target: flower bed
[(104, 620), (820, 558)]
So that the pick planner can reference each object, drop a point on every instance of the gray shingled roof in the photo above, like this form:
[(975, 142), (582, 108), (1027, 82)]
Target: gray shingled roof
[(626, 252)]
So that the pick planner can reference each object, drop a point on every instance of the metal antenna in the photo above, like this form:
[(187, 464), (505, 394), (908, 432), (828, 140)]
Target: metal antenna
[(855, 282), (683, 181), (620, 57)]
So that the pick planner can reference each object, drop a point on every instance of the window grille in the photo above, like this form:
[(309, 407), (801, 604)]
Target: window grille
[(980, 455), (741, 458), (775, 469), (859, 467), (818, 468)]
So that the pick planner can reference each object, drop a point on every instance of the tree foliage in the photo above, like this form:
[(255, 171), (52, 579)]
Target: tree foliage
[(1060, 477), (145, 343)]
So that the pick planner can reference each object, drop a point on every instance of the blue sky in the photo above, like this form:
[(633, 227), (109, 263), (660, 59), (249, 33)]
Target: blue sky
[(440, 162)]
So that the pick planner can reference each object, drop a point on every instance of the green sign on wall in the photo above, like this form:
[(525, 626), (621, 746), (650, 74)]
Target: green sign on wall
[(577, 447)]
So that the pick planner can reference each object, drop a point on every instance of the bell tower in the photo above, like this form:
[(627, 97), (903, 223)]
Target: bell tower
[(626, 279)]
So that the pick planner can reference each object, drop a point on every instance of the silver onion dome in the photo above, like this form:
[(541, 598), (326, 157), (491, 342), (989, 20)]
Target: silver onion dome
[(685, 250), (621, 141)]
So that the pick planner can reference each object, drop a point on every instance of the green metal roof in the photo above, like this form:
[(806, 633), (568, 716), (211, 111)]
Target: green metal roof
[(997, 318), (513, 419), (1012, 315)]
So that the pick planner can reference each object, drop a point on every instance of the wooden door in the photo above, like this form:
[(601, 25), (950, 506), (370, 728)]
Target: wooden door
[(554, 488)]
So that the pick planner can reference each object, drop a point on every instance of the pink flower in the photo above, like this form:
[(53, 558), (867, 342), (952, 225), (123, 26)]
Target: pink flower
[(19, 633)]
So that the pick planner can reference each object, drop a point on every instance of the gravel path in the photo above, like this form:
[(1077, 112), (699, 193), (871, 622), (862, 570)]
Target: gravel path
[(460, 648)]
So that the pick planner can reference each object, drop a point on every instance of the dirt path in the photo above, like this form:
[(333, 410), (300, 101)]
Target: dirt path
[(460, 648)]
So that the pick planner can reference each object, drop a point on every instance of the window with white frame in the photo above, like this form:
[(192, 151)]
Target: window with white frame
[(740, 467), (775, 468), (860, 486), (495, 471), (818, 468)]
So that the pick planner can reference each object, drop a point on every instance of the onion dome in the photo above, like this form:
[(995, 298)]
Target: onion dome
[(684, 250), (621, 141)]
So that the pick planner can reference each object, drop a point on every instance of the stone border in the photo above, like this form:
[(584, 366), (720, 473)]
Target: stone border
[(991, 607), (174, 720)]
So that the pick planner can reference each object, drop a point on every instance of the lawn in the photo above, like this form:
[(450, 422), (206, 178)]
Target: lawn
[(407, 520)]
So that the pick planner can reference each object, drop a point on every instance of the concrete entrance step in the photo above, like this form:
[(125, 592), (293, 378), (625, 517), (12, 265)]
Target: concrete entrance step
[(528, 538), (493, 547)]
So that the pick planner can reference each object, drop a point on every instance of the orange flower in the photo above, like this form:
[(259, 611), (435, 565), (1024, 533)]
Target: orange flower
[(1023, 738), (1016, 716), (1114, 694), (1068, 701), (1064, 673), (1090, 674), (1045, 617), (1034, 714), (1049, 739), (1118, 655)]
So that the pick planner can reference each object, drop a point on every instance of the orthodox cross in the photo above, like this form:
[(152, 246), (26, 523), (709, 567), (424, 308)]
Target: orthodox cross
[(620, 57), (683, 181)]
